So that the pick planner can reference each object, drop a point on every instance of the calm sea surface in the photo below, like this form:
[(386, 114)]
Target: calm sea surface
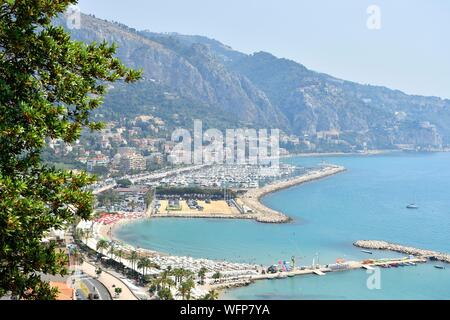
[(366, 202)]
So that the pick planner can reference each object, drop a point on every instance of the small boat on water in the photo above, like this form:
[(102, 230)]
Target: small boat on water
[(439, 267), (366, 251), (412, 206)]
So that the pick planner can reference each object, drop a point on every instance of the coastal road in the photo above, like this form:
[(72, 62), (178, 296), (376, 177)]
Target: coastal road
[(86, 284), (109, 281), (96, 286)]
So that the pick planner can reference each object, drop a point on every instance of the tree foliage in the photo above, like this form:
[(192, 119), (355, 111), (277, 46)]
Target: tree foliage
[(49, 85), (124, 183)]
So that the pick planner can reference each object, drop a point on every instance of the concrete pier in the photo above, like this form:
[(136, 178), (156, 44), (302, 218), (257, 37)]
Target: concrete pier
[(317, 270)]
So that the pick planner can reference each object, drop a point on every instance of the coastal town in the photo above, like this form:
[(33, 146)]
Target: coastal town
[(141, 178), (147, 274), (164, 193)]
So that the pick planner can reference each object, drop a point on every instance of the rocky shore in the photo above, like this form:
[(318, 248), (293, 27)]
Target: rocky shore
[(252, 199), (383, 245), (230, 284)]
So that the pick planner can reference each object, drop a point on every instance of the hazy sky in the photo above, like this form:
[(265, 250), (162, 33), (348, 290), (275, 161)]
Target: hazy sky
[(410, 52)]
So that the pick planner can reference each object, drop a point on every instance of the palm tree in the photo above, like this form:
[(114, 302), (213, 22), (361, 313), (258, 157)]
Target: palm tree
[(78, 258), (181, 273), (211, 295), (188, 273), (165, 294), (111, 250), (102, 245), (186, 288), (166, 280), (202, 274), (164, 275), (143, 264), (169, 283), (155, 285), (133, 258), (177, 273), (119, 254), (154, 265)]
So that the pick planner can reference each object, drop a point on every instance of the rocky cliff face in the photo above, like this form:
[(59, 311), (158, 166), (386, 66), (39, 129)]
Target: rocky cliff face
[(202, 78), (193, 73)]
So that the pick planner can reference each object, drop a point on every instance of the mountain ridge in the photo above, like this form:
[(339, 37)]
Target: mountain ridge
[(261, 90)]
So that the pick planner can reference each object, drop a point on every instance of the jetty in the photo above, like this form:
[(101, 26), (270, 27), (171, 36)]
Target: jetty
[(319, 270), (421, 253), (369, 264), (252, 199)]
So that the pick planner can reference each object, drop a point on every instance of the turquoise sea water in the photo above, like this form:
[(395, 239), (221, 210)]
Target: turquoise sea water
[(366, 202)]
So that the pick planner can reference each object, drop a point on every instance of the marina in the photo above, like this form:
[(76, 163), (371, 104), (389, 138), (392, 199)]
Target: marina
[(328, 216), (245, 206)]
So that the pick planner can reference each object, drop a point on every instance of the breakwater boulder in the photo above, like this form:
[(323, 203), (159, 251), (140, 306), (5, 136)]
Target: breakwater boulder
[(383, 245)]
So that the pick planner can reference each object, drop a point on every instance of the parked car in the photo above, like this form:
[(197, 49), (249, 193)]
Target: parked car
[(93, 296)]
